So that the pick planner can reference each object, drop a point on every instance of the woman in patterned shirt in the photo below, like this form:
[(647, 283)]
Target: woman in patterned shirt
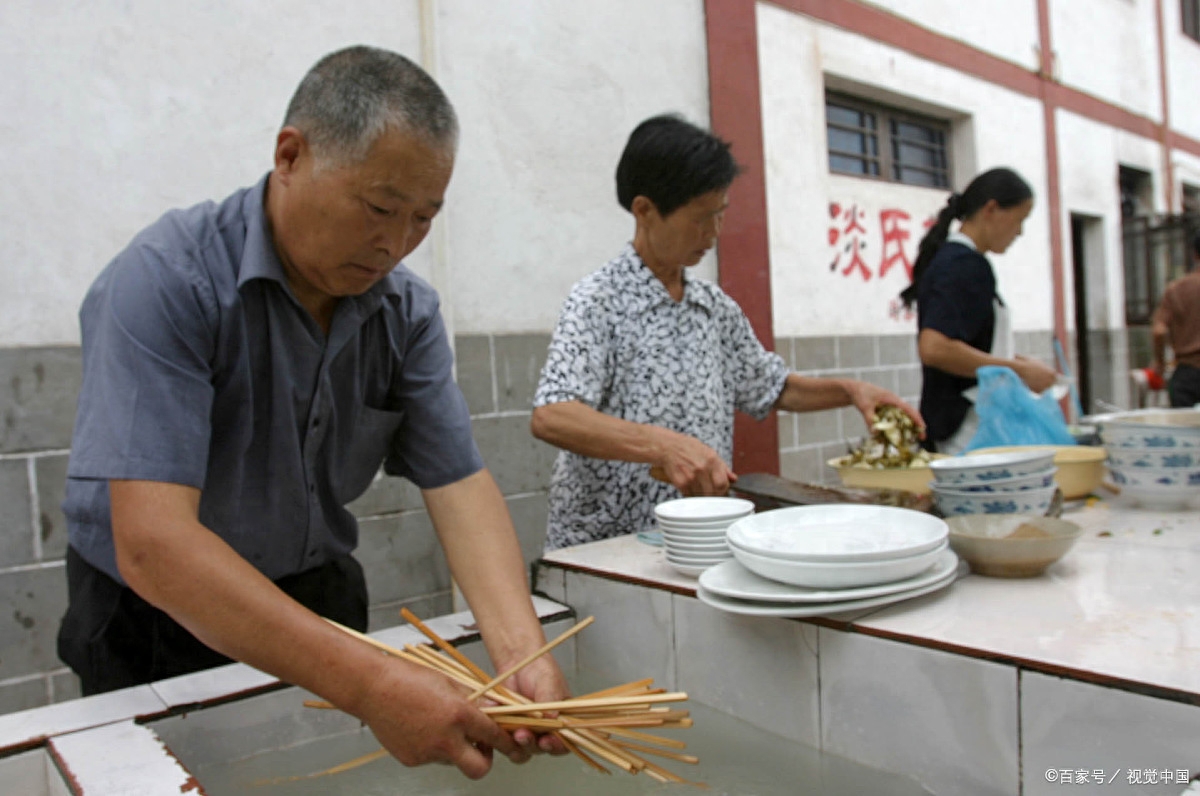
[(647, 363)]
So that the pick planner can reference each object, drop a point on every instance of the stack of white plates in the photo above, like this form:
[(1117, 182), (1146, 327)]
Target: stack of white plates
[(1011, 482), (693, 530), (816, 560)]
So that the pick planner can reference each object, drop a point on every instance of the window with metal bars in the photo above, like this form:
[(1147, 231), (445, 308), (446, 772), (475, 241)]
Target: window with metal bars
[(1189, 13), (867, 139)]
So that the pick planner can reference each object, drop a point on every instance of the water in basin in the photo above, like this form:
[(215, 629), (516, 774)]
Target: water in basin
[(268, 745)]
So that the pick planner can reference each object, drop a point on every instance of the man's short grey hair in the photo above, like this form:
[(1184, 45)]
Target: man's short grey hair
[(352, 96)]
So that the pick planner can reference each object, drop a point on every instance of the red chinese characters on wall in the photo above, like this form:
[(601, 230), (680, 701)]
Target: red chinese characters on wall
[(850, 223), (848, 233)]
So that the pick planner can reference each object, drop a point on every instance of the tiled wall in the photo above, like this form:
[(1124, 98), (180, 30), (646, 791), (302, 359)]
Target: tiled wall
[(405, 567)]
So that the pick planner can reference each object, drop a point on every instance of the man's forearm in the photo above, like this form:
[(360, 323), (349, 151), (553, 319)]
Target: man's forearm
[(181, 567), (476, 532)]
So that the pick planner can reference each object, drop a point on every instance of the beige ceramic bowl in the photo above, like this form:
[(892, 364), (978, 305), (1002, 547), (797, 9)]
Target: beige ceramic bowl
[(1080, 467), (910, 479), (1010, 545)]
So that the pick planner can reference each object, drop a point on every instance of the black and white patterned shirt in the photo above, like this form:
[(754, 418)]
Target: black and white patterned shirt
[(624, 347)]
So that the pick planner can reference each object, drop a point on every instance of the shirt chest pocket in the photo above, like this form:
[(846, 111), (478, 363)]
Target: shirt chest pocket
[(361, 450)]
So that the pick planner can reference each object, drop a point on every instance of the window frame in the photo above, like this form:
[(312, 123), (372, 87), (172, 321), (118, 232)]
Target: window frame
[(886, 119), (1189, 19)]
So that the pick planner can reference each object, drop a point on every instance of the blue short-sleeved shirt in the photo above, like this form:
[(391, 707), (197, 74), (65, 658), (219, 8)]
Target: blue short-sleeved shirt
[(201, 368), (955, 298), (624, 347)]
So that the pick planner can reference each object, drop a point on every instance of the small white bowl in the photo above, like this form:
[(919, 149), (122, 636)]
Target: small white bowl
[(1036, 480), (839, 575), (1024, 501), (980, 468), (689, 570), (702, 510), (688, 548)]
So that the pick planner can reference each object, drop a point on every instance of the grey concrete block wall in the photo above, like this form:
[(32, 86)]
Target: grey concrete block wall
[(398, 548), (405, 567)]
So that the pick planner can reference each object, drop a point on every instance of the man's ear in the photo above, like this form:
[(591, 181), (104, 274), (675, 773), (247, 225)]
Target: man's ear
[(290, 148)]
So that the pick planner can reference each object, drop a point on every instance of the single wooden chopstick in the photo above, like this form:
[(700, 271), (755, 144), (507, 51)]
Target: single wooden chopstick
[(500, 678), (592, 704)]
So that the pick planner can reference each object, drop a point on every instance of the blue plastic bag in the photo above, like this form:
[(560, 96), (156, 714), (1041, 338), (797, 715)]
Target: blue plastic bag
[(1012, 414)]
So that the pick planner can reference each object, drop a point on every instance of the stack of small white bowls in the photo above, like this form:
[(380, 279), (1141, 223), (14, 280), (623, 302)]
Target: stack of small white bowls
[(693, 530), (1154, 454), (838, 546), (1017, 482)]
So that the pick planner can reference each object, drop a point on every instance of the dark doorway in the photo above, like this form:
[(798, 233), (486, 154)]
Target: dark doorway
[(1083, 353)]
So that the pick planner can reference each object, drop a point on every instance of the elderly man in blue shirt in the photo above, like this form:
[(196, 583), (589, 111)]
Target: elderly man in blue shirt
[(248, 366)]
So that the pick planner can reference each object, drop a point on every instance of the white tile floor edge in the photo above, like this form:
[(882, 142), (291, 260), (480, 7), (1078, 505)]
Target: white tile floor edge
[(121, 759)]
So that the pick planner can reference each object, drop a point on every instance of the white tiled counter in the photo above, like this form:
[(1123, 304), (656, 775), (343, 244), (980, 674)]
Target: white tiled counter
[(1088, 673)]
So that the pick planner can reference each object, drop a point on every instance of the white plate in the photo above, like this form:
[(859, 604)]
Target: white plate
[(798, 610), (837, 574), (704, 509), (831, 533), (733, 580)]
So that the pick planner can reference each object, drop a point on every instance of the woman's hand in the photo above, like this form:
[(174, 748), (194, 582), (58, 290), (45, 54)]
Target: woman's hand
[(866, 398), (691, 466), (1036, 376)]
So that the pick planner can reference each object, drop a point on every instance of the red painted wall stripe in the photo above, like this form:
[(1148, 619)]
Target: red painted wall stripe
[(1053, 189), (895, 31), (1165, 110), (743, 249)]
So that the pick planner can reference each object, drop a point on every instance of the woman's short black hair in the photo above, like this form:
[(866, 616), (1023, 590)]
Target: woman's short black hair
[(670, 162)]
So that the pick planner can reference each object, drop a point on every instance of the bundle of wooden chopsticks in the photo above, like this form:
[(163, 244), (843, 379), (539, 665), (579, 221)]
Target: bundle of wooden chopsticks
[(596, 725)]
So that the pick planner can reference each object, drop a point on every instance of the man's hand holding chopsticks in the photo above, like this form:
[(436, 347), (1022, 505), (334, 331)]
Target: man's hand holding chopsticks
[(541, 681), (421, 717)]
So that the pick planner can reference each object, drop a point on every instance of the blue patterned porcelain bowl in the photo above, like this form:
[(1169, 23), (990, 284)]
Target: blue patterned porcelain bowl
[(1183, 478), (1125, 458), (1036, 480), (1172, 429), (955, 502), (976, 469)]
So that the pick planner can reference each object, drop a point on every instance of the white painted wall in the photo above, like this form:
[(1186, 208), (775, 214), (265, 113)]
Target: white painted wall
[(117, 111), (998, 128), (1183, 69), (137, 106), (1109, 48), (1089, 156), (548, 93), (1005, 28)]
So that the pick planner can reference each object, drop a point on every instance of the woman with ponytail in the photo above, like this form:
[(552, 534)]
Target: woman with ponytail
[(962, 321)]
